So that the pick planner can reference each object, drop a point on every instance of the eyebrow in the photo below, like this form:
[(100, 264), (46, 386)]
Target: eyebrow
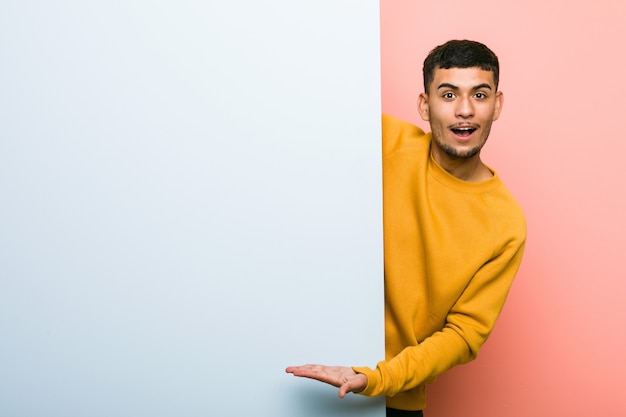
[(454, 87)]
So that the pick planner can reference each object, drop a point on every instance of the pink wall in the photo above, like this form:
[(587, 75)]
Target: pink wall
[(560, 144)]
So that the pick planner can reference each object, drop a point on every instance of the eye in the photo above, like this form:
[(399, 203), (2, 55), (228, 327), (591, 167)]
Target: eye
[(480, 96), (448, 95)]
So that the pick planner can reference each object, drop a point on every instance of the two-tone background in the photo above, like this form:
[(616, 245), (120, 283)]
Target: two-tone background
[(190, 202)]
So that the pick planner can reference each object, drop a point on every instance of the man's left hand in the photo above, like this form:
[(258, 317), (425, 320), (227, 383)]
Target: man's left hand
[(342, 377)]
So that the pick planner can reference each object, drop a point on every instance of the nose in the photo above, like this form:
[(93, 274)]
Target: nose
[(464, 108)]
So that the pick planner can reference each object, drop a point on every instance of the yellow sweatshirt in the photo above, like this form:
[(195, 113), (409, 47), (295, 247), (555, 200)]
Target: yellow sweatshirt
[(452, 249)]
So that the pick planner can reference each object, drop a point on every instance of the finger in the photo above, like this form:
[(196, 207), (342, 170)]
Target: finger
[(311, 373), (307, 370), (344, 390), (293, 369), (307, 366)]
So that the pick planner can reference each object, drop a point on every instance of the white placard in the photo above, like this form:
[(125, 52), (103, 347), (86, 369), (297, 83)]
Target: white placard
[(189, 202)]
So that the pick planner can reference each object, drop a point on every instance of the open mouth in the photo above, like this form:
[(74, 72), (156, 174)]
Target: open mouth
[(463, 132)]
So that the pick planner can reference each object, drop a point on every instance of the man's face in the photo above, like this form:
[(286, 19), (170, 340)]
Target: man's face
[(460, 105)]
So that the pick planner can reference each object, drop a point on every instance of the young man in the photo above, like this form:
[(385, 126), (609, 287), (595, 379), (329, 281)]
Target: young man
[(453, 235)]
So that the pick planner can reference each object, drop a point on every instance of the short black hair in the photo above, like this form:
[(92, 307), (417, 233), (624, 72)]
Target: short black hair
[(460, 54)]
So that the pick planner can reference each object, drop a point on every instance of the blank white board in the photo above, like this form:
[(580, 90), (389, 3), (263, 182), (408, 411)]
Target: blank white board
[(189, 203)]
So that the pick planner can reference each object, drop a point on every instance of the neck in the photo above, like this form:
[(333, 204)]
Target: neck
[(466, 169)]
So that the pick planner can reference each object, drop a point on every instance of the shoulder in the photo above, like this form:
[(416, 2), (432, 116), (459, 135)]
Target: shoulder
[(398, 134), (507, 211)]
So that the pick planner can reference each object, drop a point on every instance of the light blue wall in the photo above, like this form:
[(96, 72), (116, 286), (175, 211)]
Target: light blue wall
[(189, 202)]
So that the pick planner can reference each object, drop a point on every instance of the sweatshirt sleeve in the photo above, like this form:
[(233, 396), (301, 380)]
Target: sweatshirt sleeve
[(468, 325), (395, 134)]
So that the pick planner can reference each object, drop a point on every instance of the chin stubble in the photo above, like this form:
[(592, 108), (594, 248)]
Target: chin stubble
[(452, 152)]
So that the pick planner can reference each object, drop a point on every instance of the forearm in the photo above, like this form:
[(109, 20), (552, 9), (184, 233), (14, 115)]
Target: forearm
[(467, 326), (417, 365)]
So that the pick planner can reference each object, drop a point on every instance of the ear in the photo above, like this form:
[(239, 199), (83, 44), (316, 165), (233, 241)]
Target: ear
[(422, 107), (499, 104)]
